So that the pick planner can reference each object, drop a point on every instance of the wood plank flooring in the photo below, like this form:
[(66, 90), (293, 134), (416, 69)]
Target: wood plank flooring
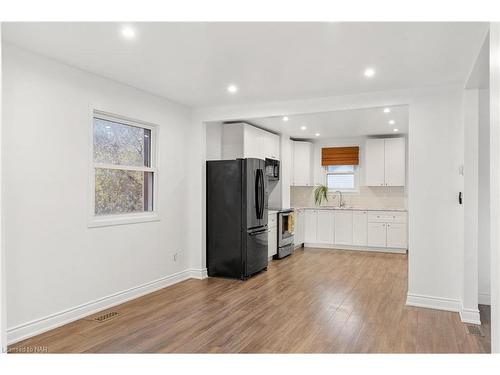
[(315, 301)]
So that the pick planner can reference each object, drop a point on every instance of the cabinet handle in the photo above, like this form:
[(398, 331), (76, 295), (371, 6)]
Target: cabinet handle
[(388, 225)]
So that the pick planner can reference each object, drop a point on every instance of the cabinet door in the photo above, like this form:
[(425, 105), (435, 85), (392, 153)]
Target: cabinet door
[(396, 235), (325, 226), (343, 227), (272, 241), (301, 175), (395, 157), (274, 146), (375, 162), (310, 226), (298, 237), (377, 234), (251, 142), (359, 228)]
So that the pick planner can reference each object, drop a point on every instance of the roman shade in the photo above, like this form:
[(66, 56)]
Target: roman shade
[(340, 156)]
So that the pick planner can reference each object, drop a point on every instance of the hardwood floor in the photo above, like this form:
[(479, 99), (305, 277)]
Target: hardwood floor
[(316, 301)]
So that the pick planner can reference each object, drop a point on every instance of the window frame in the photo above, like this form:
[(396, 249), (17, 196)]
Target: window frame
[(355, 173), (129, 217)]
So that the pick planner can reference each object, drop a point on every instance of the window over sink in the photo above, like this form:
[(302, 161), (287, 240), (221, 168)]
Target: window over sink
[(342, 177), (123, 175)]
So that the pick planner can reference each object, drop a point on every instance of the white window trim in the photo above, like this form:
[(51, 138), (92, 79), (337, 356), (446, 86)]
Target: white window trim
[(127, 218), (355, 190)]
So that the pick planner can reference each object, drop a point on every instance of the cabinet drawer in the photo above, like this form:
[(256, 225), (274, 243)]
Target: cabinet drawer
[(387, 217)]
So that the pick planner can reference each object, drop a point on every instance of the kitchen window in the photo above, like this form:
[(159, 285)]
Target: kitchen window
[(342, 177), (124, 170)]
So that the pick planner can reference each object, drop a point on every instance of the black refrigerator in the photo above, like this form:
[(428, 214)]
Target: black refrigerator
[(236, 218)]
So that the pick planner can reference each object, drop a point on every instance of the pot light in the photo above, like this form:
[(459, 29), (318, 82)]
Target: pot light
[(387, 110), (285, 118), (232, 89), (392, 122), (317, 134), (369, 72), (303, 127), (395, 130), (128, 32)]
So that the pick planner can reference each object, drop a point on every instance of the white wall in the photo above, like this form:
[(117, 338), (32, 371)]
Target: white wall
[(495, 183), (54, 261), (435, 154), (484, 198), (214, 140), (3, 315), (470, 312)]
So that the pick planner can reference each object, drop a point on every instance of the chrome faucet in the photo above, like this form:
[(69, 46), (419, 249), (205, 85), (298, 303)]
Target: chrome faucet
[(341, 199)]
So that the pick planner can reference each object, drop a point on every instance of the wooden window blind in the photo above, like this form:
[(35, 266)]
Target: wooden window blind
[(340, 156)]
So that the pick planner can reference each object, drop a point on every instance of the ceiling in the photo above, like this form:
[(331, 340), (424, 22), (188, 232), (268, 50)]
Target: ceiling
[(193, 63), (348, 123)]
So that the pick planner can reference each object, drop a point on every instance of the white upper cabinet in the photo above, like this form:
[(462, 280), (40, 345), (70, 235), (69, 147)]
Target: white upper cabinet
[(385, 162), (375, 162), (246, 141), (395, 155), (301, 169)]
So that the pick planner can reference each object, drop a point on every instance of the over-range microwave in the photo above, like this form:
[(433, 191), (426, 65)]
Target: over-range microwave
[(272, 169)]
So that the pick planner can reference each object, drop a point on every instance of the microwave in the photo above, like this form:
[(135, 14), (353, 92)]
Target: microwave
[(272, 169)]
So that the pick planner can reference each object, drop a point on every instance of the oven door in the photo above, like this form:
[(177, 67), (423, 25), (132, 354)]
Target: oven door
[(285, 232)]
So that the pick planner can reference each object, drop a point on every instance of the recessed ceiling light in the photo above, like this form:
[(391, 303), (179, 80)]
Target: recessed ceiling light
[(232, 89), (387, 110), (317, 134), (395, 130), (392, 122), (285, 118), (369, 72), (128, 32), (303, 127)]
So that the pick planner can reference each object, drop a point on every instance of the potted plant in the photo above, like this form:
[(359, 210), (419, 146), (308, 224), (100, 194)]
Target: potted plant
[(320, 194)]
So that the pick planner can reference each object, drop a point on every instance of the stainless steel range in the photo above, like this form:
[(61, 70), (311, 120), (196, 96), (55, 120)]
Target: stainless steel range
[(286, 226)]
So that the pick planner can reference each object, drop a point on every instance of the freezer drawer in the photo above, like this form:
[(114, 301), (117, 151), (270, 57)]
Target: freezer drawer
[(256, 251)]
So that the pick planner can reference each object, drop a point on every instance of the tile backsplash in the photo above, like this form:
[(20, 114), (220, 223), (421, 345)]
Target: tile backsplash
[(383, 197)]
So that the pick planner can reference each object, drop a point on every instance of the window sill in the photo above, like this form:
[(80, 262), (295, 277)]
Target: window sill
[(112, 220)]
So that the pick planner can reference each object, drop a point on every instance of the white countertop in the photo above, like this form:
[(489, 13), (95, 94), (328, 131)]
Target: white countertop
[(350, 208)]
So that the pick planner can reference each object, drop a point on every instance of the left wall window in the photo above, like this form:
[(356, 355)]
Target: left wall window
[(124, 170)]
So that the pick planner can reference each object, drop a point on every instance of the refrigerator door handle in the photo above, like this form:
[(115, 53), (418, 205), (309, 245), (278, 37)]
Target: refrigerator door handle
[(257, 194), (262, 194)]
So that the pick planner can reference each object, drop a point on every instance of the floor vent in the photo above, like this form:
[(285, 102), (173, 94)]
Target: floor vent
[(104, 317), (474, 330)]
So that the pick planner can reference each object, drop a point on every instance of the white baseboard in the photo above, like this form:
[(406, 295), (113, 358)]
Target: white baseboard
[(356, 248), (484, 299), (470, 316), (35, 327), (430, 302), (198, 273)]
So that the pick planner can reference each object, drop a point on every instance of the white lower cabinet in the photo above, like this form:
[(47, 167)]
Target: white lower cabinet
[(272, 241), (272, 238), (325, 226), (343, 227), (396, 235), (380, 229), (359, 228), (298, 236), (377, 234), (310, 226)]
